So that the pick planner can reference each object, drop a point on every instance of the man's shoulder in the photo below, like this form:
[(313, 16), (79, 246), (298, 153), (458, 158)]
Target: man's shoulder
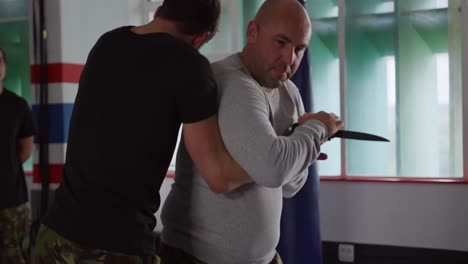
[(185, 57), (115, 33), (228, 65), (230, 71), (14, 98), (14, 104), (196, 59)]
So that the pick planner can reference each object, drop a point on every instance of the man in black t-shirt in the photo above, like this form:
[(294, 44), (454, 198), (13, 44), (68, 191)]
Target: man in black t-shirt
[(16, 143), (138, 85)]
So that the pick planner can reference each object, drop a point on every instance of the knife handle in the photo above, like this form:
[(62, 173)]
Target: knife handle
[(293, 126), (337, 134)]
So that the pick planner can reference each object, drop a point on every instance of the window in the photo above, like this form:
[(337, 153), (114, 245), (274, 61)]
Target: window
[(399, 66), (391, 68), (325, 72)]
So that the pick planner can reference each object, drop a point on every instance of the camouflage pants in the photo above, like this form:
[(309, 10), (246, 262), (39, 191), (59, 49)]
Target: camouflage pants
[(53, 248), (14, 235), (171, 255)]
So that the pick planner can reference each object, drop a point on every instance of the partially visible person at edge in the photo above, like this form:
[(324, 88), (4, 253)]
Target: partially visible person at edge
[(258, 106), (16, 145), (138, 85)]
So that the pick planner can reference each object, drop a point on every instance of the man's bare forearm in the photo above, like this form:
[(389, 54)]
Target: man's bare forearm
[(208, 152), (25, 147)]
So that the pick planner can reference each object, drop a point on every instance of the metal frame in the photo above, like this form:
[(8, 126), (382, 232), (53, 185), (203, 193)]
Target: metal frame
[(342, 58), (464, 32)]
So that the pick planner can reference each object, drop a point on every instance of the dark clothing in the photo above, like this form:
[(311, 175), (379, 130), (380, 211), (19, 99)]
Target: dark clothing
[(15, 123), (14, 235), (134, 92), (57, 249), (172, 255)]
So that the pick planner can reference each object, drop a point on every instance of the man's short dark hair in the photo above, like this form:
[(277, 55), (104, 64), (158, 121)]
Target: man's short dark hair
[(2, 51), (193, 16)]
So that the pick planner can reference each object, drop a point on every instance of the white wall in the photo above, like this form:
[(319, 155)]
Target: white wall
[(74, 26), (84, 21), (399, 214)]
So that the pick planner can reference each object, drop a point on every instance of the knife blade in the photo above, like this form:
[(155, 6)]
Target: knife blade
[(347, 134)]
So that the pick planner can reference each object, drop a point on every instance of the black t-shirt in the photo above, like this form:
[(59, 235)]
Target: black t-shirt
[(15, 123), (134, 92)]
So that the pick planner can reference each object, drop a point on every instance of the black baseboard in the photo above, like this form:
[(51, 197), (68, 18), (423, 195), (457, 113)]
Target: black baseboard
[(378, 254)]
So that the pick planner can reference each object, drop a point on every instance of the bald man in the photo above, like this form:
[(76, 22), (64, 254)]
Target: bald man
[(257, 106)]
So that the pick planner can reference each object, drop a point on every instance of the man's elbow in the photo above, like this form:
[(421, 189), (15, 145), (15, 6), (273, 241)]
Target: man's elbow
[(24, 156), (289, 193), (272, 182), (272, 179), (23, 159), (25, 148)]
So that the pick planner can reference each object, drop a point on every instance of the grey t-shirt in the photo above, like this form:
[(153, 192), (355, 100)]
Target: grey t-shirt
[(242, 226)]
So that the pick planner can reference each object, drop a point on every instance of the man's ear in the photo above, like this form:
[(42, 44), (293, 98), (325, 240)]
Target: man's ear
[(252, 31), (157, 12), (200, 39)]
